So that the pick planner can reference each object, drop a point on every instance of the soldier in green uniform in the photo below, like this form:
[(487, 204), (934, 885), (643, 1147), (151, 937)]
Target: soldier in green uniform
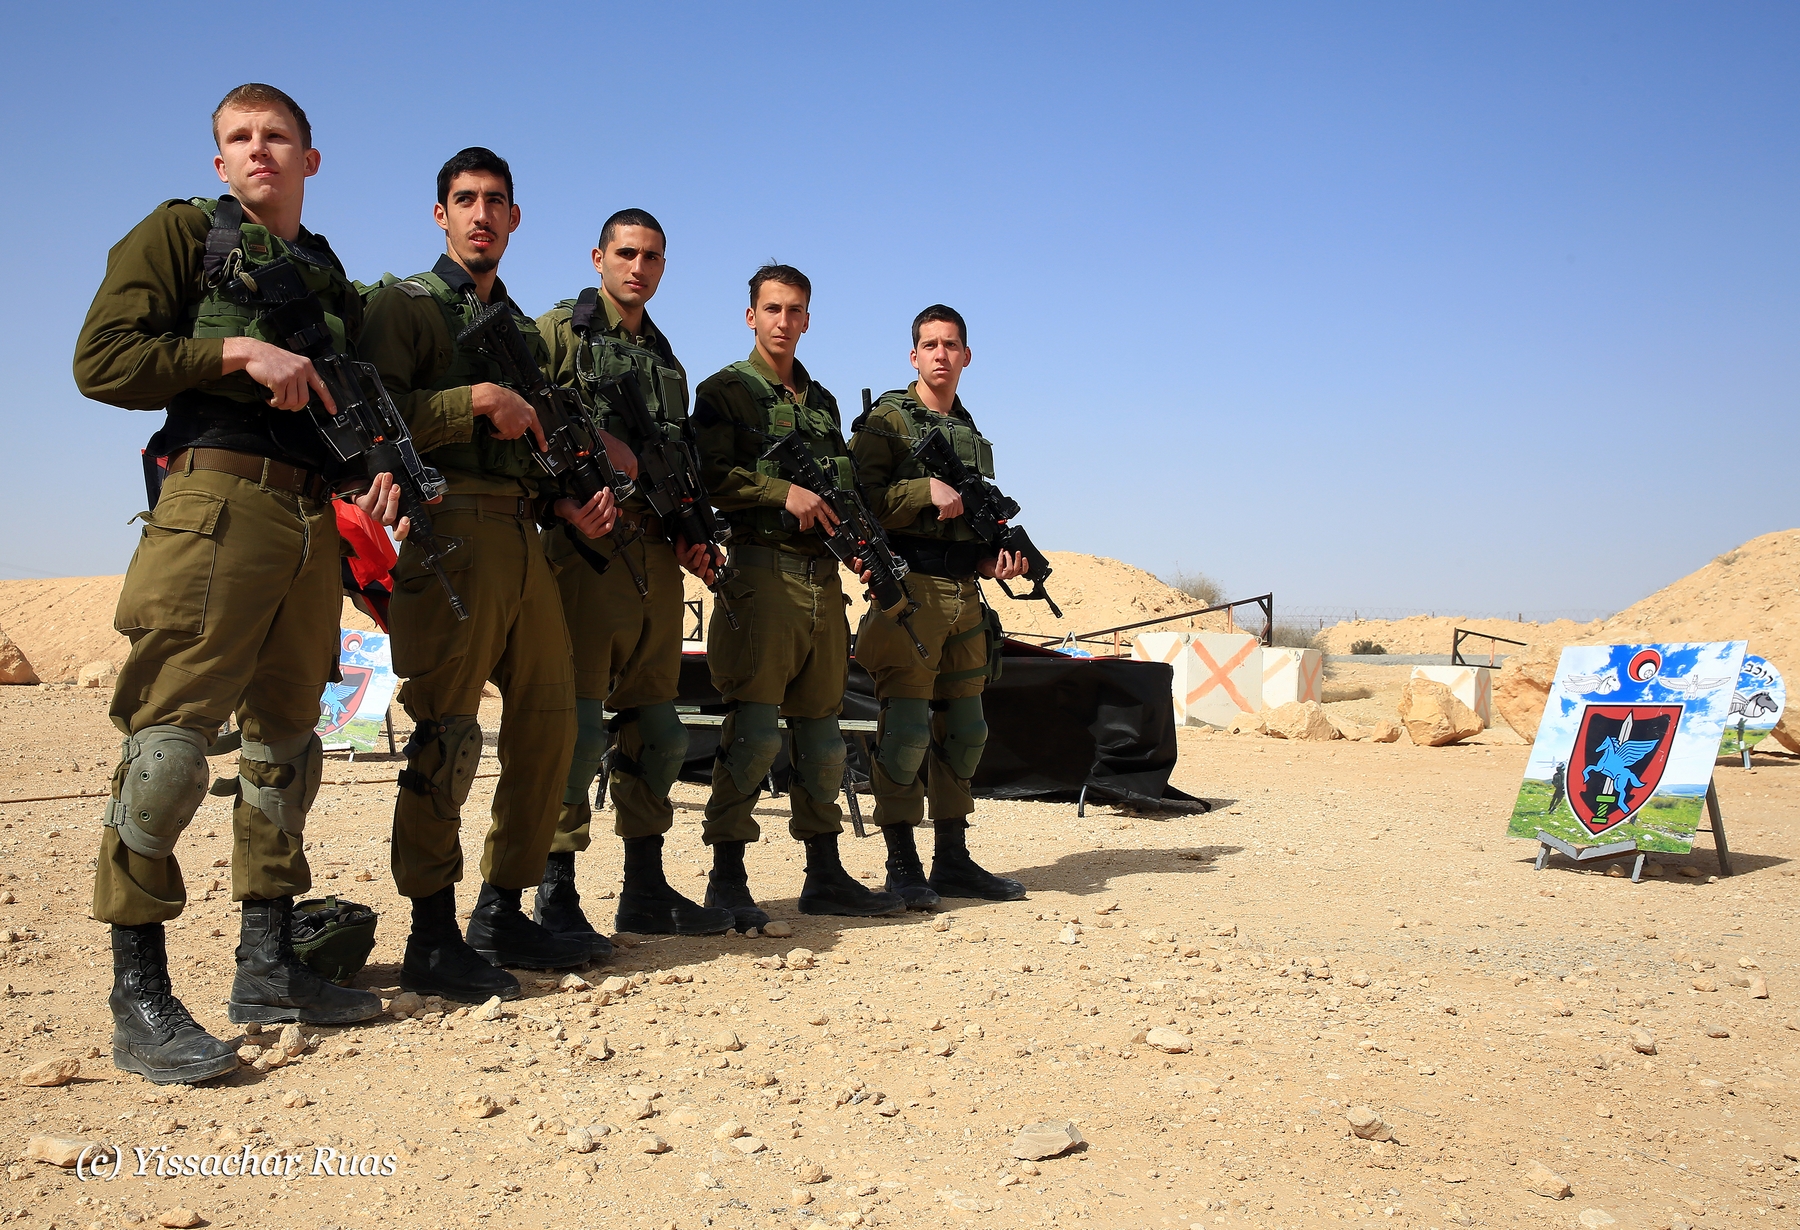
[(789, 656), (232, 598), (472, 429), (931, 730), (625, 622)]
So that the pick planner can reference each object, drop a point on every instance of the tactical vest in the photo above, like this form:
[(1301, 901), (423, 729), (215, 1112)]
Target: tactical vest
[(970, 445), (233, 244), (600, 357), (781, 418), (486, 453)]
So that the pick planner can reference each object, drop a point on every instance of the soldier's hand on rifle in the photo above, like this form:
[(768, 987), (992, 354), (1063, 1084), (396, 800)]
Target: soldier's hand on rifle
[(594, 518), (511, 415), (946, 499), (290, 378), (865, 575), (1003, 567), (700, 560), (810, 509), (620, 455), (382, 502)]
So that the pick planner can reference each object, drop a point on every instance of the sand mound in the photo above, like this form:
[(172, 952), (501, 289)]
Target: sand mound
[(1093, 592), (63, 624), (1436, 634), (1746, 594)]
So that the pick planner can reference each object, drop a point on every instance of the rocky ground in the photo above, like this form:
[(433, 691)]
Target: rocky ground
[(1346, 935)]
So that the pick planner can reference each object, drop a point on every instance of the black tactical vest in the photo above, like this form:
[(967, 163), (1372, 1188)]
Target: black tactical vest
[(971, 447), (817, 426)]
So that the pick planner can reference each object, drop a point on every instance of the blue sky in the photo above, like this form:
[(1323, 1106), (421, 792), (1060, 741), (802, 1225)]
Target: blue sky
[(1454, 307)]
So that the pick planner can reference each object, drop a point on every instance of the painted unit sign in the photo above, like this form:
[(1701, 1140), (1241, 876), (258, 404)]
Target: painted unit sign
[(1756, 706), (351, 711), (1626, 747)]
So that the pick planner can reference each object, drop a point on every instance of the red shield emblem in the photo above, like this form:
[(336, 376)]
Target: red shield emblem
[(1620, 751), (341, 700)]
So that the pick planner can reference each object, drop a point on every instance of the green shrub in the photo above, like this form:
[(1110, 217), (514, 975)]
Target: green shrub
[(1366, 647), (1295, 636), (1199, 586)]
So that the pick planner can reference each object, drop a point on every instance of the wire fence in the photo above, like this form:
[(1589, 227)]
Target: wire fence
[(1325, 616)]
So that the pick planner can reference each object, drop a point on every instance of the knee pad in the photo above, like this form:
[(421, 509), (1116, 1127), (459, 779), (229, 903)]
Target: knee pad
[(965, 735), (665, 745), (459, 743), (819, 757), (163, 786), (755, 741), (285, 805), (591, 732), (905, 737)]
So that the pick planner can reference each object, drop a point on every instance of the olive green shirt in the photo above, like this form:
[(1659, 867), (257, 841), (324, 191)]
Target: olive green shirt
[(882, 443), (728, 455), (131, 352), (408, 340)]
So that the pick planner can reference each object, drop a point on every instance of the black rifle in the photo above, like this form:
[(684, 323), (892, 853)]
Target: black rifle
[(988, 511), (367, 426), (858, 535), (669, 480), (574, 454)]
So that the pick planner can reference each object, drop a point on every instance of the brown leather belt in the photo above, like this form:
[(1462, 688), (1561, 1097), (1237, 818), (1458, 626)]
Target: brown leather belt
[(520, 506), (277, 475), (648, 525)]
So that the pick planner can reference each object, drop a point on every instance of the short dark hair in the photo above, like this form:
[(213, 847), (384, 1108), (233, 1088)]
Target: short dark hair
[(629, 217), (944, 315), (787, 275), (475, 158), (255, 96)]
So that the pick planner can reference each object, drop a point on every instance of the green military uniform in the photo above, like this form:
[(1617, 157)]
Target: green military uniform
[(627, 644), (790, 650), (514, 635), (951, 623), (232, 597)]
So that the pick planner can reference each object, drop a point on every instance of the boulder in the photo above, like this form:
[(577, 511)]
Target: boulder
[(1432, 715), (98, 674), (1300, 719), (13, 666), (1247, 724), (1382, 731), (1522, 687)]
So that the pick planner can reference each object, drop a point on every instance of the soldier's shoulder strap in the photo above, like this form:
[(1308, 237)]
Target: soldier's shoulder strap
[(758, 386), (224, 236), (895, 399), (582, 309)]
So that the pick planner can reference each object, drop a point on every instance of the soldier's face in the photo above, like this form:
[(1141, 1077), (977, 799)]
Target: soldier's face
[(260, 156), (477, 220), (631, 265), (940, 356), (779, 318)]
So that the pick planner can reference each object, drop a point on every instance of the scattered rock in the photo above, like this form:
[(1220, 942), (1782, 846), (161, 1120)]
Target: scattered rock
[(1759, 987), (1367, 1124), (778, 929), (810, 1172), (1300, 719), (406, 1003), (293, 1042), (748, 1145), (1705, 984), (650, 1142), (1068, 936), (101, 675), (1558, 1008), (1247, 724), (295, 1100), (476, 1105), (51, 1073), (1047, 1139), (181, 1219), (1643, 1042), (1717, 1031), (1169, 1041), (615, 985), (1360, 979), (801, 958), (579, 1140), (726, 1040), (1596, 1219), (574, 982), (57, 1150), (1433, 716), (731, 1129), (491, 1010), (1543, 1181)]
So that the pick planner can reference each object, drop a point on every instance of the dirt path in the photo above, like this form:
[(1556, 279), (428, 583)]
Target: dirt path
[(1347, 928)]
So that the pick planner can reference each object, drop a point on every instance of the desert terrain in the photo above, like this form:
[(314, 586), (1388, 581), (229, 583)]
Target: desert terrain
[(1342, 995)]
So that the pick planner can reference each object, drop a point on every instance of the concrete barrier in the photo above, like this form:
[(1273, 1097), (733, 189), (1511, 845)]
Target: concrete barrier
[(1472, 685), (1218, 675), (1291, 674)]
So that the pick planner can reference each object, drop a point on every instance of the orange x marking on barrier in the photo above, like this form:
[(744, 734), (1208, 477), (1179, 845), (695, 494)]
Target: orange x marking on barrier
[(1309, 679), (1220, 676)]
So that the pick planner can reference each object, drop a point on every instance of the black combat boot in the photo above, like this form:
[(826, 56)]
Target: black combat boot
[(500, 932), (274, 985), (558, 907), (829, 889), (728, 886), (955, 874), (440, 962), (153, 1034), (905, 873), (649, 906)]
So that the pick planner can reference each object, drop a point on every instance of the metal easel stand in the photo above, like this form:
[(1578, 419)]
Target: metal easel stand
[(1549, 842)]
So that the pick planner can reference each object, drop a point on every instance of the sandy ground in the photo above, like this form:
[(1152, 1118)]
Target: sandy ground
[(1347, 928)]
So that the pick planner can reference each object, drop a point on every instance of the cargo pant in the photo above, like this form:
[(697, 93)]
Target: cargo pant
[(231, 603), (514, 637), (951, 624), (627, 654), (790, 648)]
